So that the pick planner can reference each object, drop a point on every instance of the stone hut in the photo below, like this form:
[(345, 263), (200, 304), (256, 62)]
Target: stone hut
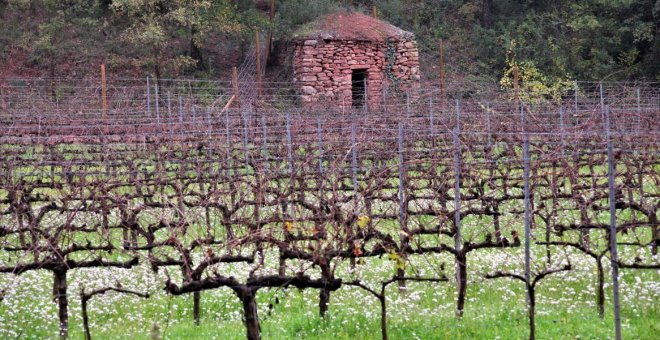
[(352, 59)]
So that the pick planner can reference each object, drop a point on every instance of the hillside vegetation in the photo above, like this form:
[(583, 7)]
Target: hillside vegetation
[(562, 39)]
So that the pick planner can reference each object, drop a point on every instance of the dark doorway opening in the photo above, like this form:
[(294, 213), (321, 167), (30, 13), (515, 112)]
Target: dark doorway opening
[(359, 87)]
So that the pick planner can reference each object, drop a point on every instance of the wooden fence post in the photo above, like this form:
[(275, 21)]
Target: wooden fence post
[(442, 71), (104, 92), (234, 83), (258, 57)]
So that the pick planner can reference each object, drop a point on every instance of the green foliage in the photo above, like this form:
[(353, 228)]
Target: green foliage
[(586, 40), (527, 83), (390, 59), (50, 29), (152, 26), (591, 39), (292, 13)]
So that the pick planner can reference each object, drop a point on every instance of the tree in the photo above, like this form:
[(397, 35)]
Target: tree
[(154, 29)]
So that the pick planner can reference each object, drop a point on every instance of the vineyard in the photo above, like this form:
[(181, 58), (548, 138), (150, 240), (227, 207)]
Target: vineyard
[(166, 211)]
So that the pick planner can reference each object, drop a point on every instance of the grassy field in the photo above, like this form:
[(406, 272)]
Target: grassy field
[(495, 308)]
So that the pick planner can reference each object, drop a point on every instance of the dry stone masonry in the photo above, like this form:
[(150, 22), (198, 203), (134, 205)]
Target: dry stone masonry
[(347, 55)]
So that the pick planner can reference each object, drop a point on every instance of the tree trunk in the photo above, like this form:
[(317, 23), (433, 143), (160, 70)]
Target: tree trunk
[(157, 71), (487, 13), (134, 235), (35, 240), (196, 300), (59, 288), (402, 283), (21, 235), (496, 223), (461, 281), (655, 233), (247, 296), (600, 290), (532, 313), (585, 236), (125, 237), (85, 317), (324, 294), (383, 317), (281, 269), (324, 300), (656, 240), (195, 51)]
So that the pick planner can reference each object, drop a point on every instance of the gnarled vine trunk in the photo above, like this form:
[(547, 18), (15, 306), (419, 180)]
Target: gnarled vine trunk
[(600, 290), (461, 281), (532, 313), (383, 316), (196, 301), (251, 318), (324, 293), (60, 291)]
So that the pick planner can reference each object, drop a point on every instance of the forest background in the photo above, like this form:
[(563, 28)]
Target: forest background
[(553, 40)]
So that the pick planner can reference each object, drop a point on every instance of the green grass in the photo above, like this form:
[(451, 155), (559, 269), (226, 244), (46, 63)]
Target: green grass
[(495, 308)]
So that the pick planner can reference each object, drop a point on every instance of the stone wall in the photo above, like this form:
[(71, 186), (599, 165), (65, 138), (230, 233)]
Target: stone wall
[(323, 69)]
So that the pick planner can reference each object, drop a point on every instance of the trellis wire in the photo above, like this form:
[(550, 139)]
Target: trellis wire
[(69, 141)]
